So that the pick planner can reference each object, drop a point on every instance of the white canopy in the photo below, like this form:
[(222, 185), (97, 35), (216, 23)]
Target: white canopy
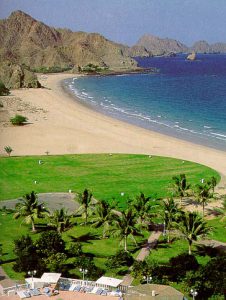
[(114, 282), (50, 277)]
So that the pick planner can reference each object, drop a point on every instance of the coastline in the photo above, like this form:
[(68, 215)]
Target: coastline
[(62, 125)]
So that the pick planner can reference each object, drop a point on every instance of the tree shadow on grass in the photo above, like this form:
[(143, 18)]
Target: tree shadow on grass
[(7, 261), (40, 227), (164, 244), (85, 238), (203, 250)]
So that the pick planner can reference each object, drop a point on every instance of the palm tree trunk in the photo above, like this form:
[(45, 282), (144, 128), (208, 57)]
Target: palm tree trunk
[(168, 237), (189, 247), (33, 225), (125, 243), (86, 216)]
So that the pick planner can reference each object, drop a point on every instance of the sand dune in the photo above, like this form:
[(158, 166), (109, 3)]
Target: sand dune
[(60, 125)]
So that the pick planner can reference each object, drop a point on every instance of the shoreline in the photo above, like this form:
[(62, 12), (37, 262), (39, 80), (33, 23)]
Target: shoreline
[(62, 125), (161, 129)]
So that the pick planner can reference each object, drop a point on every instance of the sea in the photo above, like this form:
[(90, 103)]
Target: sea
[(180, 98)]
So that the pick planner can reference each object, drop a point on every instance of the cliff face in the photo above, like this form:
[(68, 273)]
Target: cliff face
[(27, 41), (158, 46)]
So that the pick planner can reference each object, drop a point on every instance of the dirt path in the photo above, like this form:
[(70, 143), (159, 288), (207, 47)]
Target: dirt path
[(144, 252), (5, 281)]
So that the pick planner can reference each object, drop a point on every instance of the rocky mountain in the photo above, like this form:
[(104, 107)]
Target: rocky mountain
[(218, 48), (201, 47), (204, 47), (159, 46), (27, 41)]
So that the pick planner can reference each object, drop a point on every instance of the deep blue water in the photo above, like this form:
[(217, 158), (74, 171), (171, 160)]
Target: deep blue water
[(184, 99)]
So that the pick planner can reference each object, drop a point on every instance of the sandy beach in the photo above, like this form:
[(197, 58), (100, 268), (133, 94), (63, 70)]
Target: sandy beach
[(60, 125)]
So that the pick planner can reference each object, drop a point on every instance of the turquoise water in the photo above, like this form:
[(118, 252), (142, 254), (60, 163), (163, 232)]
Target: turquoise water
[(184, 99)]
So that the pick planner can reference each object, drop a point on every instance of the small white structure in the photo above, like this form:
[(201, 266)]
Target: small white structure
[(47, 278), (109, 282), (34, 282)]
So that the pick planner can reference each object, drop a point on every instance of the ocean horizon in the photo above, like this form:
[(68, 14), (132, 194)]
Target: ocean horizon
[(184, 99)]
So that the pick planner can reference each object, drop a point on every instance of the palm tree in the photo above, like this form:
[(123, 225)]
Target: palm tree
[(221, 211), (142, 207), (85, 199), (212, 182), (103, 216), (29, 208), (171, 212), (181, 186), (203, 194), (125, 226), (192, 226), (60, 220)]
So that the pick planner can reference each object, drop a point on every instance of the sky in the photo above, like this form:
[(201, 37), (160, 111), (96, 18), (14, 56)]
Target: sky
[(125, 21)]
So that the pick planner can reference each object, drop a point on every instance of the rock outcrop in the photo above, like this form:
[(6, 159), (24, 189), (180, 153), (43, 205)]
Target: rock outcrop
[(191, 56), (15, 76), (158, 46), (27, 41)]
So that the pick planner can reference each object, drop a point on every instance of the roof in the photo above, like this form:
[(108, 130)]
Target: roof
[(161, 292), (50, 277), (34, 279), (109, 281)]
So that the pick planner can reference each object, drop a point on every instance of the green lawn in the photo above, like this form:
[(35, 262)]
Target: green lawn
[(164, 251), (106, 176), (219, 229), (12, 229)]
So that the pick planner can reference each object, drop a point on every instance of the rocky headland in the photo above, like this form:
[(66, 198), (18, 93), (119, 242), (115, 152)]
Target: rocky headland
[(160, 46)]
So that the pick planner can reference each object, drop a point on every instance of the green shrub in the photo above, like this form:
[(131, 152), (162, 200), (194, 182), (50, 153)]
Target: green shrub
[(180, 264), (8, 150), (121, 258), (18, 120), (91, 68)]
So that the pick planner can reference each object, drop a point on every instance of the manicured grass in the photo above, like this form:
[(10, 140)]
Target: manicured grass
[(101, 249), (219, 229), (164, 251), (106, 176), (10, 230)]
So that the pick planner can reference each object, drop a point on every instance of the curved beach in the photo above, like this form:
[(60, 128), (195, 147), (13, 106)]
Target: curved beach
[(61, 125)]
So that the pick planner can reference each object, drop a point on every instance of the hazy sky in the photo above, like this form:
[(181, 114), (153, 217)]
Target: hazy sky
[(126, 21)]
